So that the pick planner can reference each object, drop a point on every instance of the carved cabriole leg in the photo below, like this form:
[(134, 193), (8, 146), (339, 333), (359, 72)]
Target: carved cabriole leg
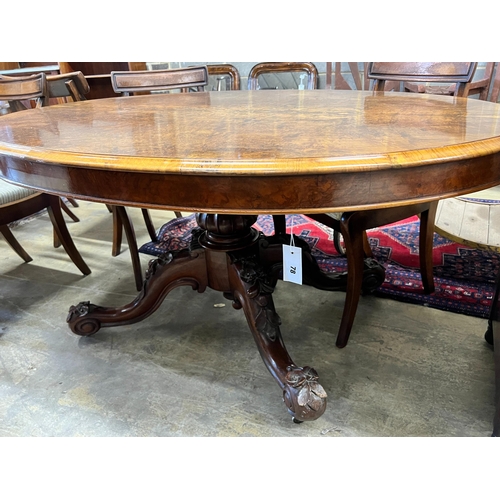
[(250, 287), (251, 290), (184, 268)]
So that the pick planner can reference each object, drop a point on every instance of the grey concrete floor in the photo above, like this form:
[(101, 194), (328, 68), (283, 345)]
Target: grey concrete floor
[(192, 369)]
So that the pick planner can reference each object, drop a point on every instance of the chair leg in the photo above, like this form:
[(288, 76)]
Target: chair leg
[(366, 246), (68, 211), (426, 238), (57, 243), (177, 214), (279, 222), (353, 239), (57, 219), (132, 244), (73, 202), (117, 231), (16, 246), (149, 224)]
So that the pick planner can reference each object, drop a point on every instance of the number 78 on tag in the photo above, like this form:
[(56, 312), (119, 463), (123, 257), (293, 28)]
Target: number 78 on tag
[(292, 264)]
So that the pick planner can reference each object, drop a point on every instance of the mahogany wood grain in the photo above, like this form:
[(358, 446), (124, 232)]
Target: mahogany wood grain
[(257, 152)]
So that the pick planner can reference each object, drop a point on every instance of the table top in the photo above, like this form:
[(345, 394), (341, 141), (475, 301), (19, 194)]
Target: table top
[(257, 151)]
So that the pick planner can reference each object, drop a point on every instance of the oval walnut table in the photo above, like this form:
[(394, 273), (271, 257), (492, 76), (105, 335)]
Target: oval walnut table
[(230, 156)]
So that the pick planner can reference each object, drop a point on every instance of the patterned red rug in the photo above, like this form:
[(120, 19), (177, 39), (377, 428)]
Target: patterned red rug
[(464, 277)]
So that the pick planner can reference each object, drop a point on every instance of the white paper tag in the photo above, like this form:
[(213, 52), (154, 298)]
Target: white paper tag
[(292, 264)]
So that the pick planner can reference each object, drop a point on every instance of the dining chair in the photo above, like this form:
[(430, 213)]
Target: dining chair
[(18, 202), (74, 86), (459, 73), (272, 75), (352, 226), (68, 86), (40, 102), (351, 78), (98, 76), (193, 78), (23, 92), (225, 73), (480, 86), (271, 70)]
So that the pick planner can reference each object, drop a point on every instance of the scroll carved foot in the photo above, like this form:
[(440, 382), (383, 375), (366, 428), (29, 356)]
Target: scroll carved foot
[(163, 275), (82, 320), (252, 287)]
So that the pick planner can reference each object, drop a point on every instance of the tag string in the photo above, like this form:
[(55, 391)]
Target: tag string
[(292, 242)]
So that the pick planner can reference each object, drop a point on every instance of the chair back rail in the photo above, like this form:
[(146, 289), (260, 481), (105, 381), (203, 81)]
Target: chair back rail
[(73, 85), (226, 70), (482, 85), (283, 67), (194, 77), (460, 73), (495, 90), (23, 88)]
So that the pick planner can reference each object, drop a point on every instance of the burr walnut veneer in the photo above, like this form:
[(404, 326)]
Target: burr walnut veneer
[(230, 156)]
